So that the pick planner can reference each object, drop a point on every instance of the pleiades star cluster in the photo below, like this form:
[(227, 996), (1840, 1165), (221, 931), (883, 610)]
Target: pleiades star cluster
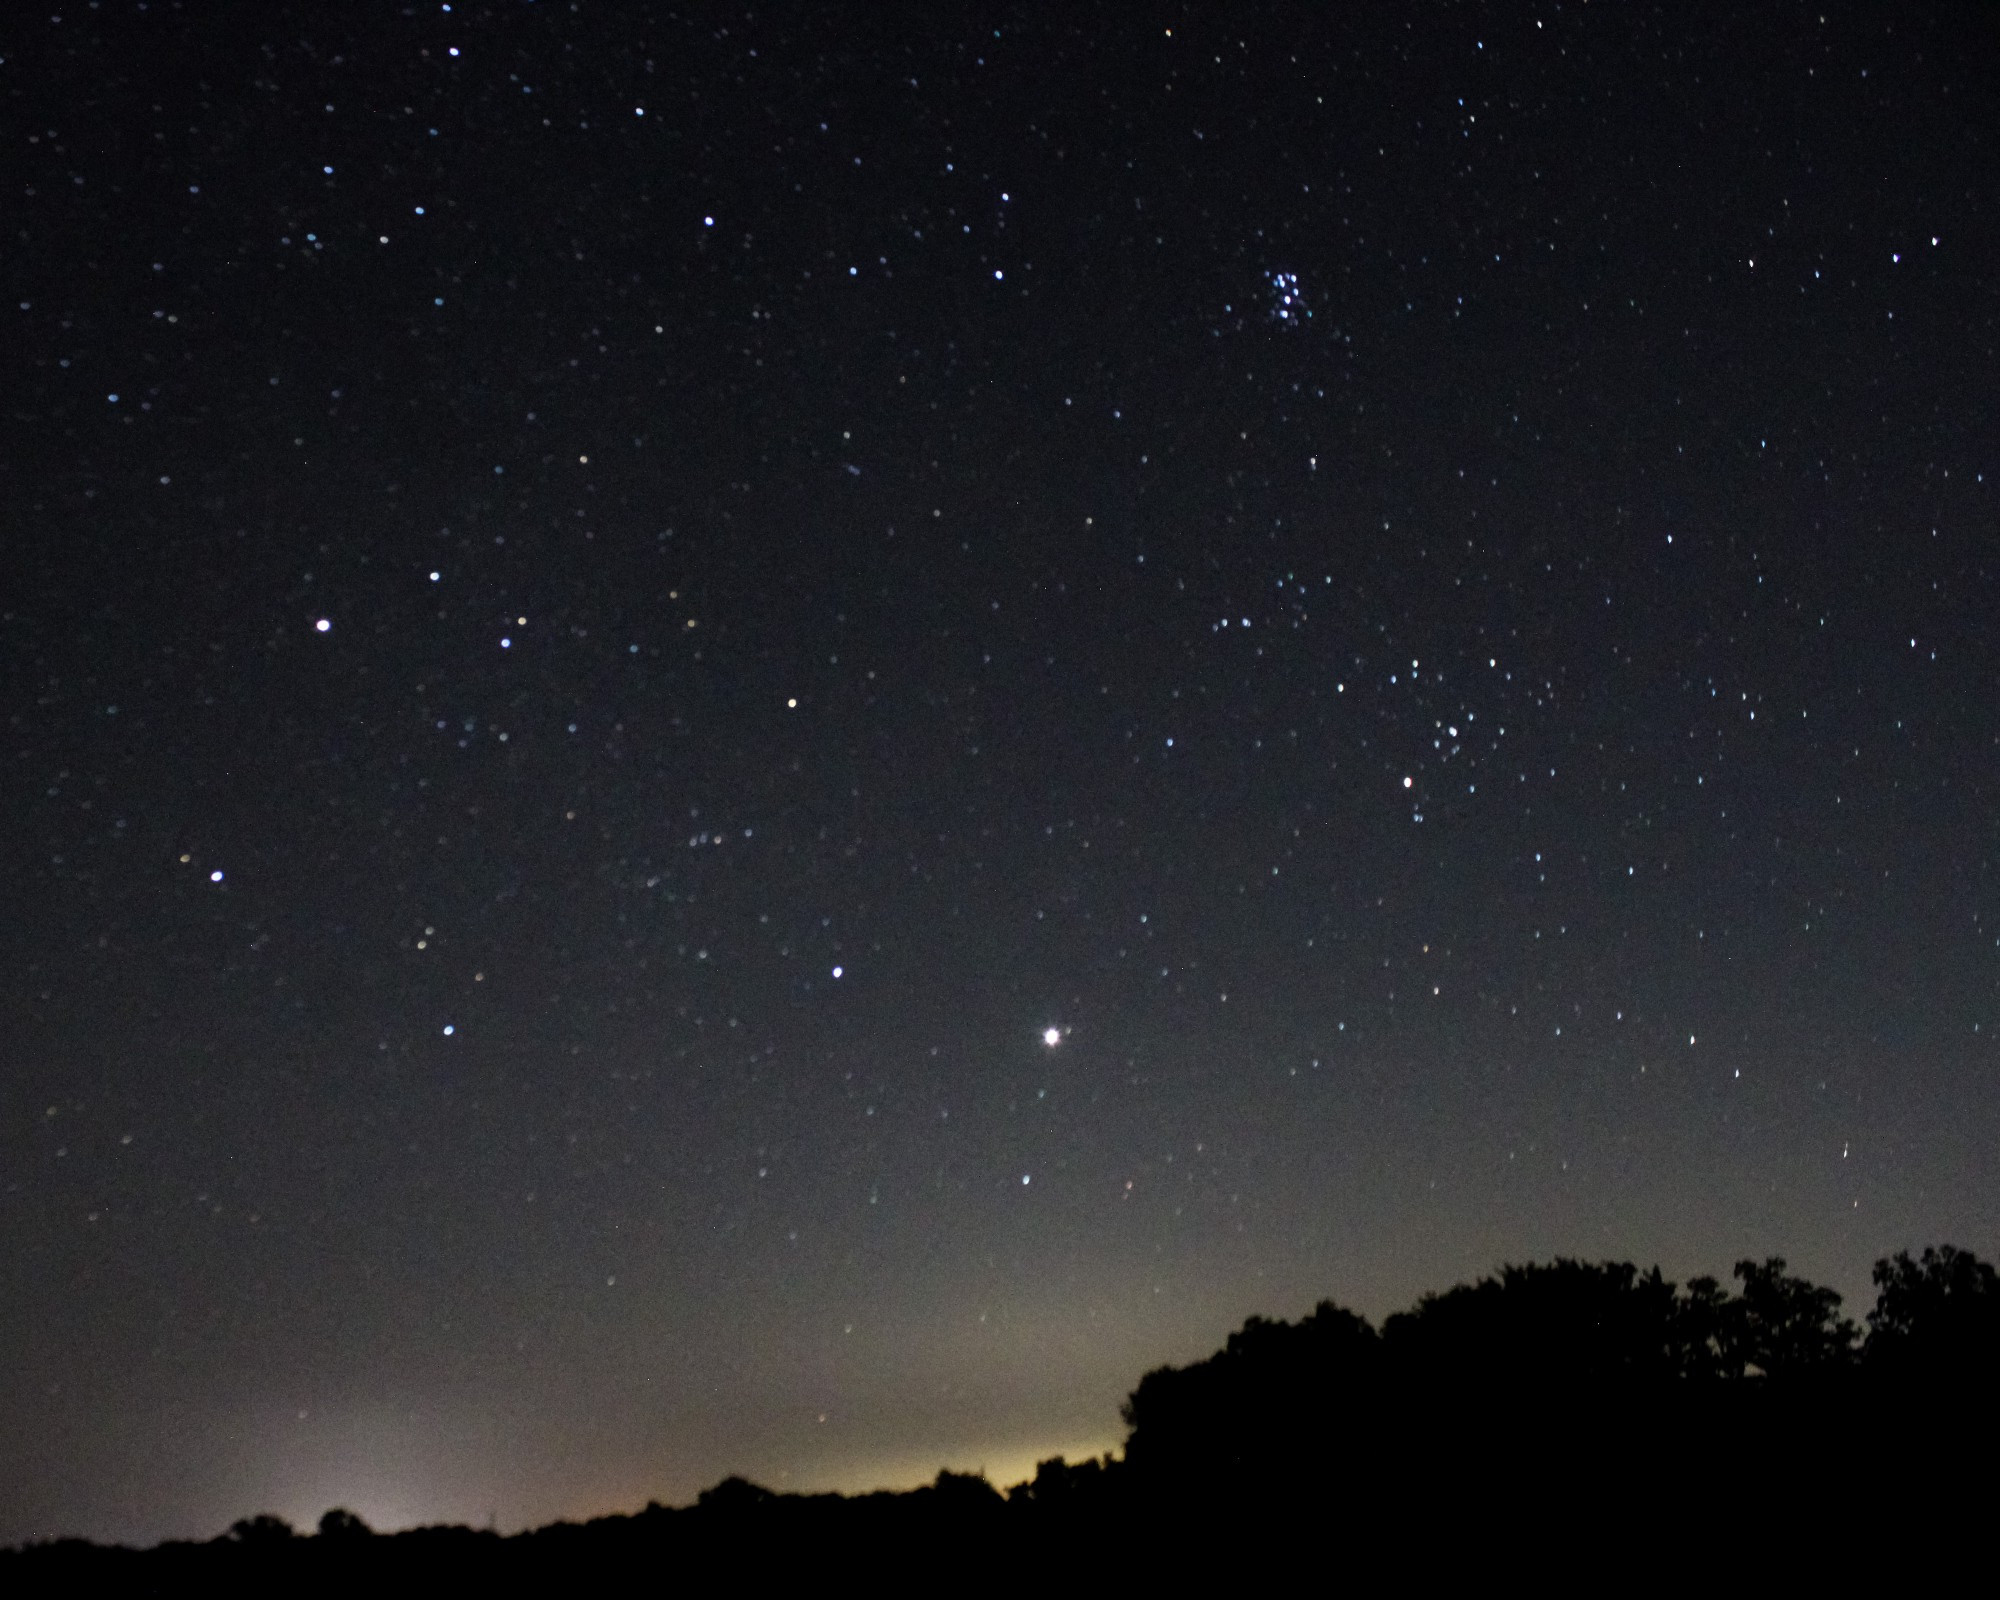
[(772, 740)]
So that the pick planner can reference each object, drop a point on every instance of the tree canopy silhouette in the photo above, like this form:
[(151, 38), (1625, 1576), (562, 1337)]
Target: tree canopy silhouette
[(1936, 1319), (1593, 1395), (1594, 1380)]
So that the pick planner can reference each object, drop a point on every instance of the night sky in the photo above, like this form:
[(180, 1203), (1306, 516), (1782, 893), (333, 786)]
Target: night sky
[(772, 741)]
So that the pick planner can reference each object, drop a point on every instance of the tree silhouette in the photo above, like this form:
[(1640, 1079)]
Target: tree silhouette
[(1936, 1318), (1541, 1330), (1064, 1485), (1785, 1327), (734, 1496), (1700, 1338), (1275, 1394), (964, 1492), (1586, 1391), (263, 1529)]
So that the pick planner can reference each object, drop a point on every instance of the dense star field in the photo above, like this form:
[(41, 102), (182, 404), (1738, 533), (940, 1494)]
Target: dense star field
[(771, 741)]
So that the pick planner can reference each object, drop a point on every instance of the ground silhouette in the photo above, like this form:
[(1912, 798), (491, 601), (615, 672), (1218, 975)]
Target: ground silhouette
[(1569, 1412)]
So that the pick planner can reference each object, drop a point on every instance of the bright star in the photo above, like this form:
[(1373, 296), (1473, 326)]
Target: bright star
[(1052, 1037)]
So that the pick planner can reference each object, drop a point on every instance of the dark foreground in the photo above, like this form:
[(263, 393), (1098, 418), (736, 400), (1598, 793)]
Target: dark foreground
[(1577, 1423), (1761, 1510)]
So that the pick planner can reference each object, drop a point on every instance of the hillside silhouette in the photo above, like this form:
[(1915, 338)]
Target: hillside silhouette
[(1569, 1412)]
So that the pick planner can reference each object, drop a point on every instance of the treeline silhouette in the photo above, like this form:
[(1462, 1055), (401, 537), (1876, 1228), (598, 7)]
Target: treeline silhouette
[(1586, 1407)]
